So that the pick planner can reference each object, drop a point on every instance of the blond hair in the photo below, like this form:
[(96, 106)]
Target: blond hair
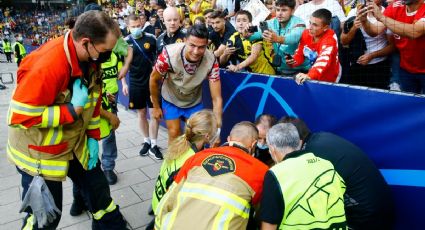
[(199, 125)]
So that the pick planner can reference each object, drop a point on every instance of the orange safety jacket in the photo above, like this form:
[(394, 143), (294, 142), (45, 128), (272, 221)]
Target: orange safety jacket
[(43, 75), (45, 132), (215, 189)]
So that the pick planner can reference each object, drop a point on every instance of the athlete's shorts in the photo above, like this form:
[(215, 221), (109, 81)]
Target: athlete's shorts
[(140, 98), (172, 112)]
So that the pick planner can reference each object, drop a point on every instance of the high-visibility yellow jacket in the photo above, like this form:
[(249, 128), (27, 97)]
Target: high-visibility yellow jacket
[(22, 51)]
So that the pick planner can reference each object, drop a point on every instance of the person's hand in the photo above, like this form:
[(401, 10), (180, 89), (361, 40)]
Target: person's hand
[(122, 73), (233, 68), (111, 97), (362, 13), (375, 10), (229, 50), (80, 94), (290, 61), (301, 78), (157, 113), (246, 32), (125, 89), (357, 24), (114, 121), (364, 59), (270, 36), (93, 147)]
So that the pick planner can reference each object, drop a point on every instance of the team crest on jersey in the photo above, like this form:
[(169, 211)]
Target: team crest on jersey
[(179, 40), (217, 165), (147, 45)]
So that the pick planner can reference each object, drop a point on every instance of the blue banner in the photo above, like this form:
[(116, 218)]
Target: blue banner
[(389, 127)]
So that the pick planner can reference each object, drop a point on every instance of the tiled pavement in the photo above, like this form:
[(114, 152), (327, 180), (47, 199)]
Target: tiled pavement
[(136, 175)]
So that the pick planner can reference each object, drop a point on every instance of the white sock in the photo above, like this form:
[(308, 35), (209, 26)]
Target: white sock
[(147, 140), (153, 142)]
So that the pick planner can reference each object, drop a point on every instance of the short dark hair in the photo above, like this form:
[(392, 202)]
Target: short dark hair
[(324, 14), (244, 12), (95, 25), (218, 14), (198, 30), (301, 126), (289, 3)]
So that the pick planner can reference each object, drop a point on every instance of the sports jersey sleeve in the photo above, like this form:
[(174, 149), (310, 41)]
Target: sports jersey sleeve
[(32, 103), (214, 74), (162, 64), (272, 203), (325, 57)]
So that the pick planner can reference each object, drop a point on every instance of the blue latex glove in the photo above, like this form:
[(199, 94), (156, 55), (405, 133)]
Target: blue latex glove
[(93, 146), (80, 94)]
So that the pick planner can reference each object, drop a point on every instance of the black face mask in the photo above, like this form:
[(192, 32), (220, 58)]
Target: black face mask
[(103, 56)]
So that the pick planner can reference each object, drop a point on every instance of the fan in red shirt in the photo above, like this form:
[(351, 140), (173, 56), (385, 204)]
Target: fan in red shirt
[(406, 20), (319, 45)]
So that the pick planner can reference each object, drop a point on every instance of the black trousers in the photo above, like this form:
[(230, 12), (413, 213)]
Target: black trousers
[(8, 56), (93, 187), (374, 75)]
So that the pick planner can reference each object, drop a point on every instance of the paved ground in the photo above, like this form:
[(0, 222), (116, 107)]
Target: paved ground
[(136, 175)]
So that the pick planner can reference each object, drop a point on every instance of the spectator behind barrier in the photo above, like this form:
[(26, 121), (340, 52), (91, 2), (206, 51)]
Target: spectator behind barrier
[(221, 32), (319, 46), (305, 11), (406, 20), (369, 65), (243, 53), (284, 32), (368, 200)]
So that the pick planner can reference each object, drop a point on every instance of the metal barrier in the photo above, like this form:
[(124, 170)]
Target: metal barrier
[(8, 80)]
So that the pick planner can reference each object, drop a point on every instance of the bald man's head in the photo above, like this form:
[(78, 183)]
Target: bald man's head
[(172, 19), (244, 132)]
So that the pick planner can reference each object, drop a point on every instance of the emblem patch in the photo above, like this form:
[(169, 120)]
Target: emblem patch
[(217, 165), (147, 45), (179, 40)]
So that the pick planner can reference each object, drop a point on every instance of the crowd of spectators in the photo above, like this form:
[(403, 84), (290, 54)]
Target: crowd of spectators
[(358, 45)]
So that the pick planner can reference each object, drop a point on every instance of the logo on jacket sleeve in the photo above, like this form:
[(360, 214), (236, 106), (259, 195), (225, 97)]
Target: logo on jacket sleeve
[(219, 164)]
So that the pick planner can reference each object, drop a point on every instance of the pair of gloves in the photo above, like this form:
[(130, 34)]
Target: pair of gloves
[(79, 98)]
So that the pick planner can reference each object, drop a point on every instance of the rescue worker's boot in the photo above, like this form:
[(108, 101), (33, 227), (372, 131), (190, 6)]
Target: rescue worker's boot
[(78, 207)]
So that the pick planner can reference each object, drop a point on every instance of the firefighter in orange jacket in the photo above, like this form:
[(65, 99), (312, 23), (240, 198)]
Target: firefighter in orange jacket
[(54, 131), (216, 187)]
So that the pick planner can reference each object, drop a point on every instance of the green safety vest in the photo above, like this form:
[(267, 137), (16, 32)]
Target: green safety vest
[(110, 85), (312, 193), (6, 47), (22, 51), (168, 168)]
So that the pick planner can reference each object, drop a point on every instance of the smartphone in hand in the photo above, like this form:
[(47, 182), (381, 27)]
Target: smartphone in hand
[(288, 56), (263, 26)]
